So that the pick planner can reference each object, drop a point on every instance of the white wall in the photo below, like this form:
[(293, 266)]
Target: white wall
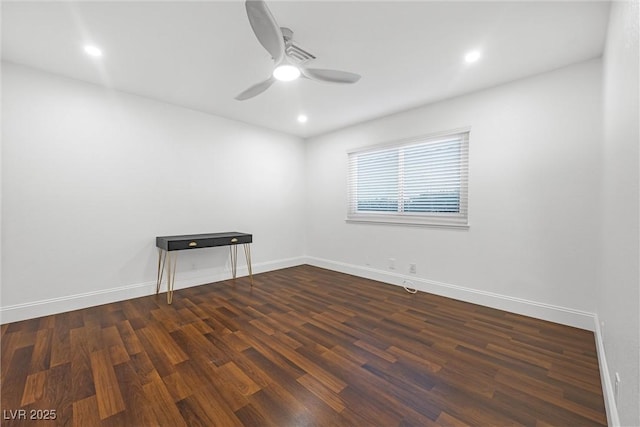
[(619, 295), (532, 245), (90, 176)]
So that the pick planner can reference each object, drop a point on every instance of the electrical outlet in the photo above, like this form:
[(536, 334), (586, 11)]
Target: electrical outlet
[(412, 268), (616, 387), (392, 263)]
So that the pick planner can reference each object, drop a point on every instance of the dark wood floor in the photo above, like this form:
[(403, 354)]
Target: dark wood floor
[(305, 347)]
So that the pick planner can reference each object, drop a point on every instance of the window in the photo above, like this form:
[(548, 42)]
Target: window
[(422, 181)]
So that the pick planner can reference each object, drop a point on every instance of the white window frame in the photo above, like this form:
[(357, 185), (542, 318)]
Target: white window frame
[(459, 219)]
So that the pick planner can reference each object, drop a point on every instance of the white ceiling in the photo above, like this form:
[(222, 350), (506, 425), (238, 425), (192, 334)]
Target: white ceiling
[(202, 54)]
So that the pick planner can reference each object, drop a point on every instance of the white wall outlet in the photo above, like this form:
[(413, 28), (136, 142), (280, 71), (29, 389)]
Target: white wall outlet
[(392, 263), (412, 268), (616, 387)]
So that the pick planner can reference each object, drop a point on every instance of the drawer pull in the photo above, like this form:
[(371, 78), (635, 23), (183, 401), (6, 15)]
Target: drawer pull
[(234, 240), (193, 244)]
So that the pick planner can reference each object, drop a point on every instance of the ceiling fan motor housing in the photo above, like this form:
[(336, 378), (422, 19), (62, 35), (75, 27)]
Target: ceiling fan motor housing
[(294, 51)]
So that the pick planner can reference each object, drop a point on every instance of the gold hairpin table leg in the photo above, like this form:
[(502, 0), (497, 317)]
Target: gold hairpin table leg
[(162, 256), (247, 256), (171, 276), (234, 260), (171, 273)]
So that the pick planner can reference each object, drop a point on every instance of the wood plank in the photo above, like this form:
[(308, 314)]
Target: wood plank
[(56, 394), (323, 392), (61, 344), (233, 376), (113, 341), (162, 405), (129, 338), (82, 385), (164, 343), (132, 375), (177, 386), (106, 383), (85, 412), (14, 381), (34, 388)]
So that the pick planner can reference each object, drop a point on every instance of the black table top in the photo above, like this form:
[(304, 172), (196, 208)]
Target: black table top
[(204, 240)]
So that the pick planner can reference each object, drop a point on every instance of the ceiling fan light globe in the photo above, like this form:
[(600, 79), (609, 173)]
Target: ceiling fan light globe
[(472, 56), (286, 73)]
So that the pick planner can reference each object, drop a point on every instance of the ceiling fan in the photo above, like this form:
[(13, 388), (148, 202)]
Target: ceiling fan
[(289, 58)]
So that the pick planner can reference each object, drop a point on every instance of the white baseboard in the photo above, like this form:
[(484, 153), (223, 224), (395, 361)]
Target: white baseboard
[(553, 313), (613, 419), (46, 307), (563, 315)]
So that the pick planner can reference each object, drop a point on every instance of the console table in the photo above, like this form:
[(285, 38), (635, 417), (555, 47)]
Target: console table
[(171, 244)]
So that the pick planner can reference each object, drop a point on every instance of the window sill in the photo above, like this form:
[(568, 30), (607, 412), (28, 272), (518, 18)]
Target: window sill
[(434, 222)]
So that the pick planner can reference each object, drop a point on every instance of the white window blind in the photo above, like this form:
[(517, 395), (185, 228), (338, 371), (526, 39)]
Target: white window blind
[(420, 181)]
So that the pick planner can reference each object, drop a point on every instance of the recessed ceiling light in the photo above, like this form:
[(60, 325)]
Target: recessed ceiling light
[(302, 118), (93, 50), (472, 56), (286, 73)]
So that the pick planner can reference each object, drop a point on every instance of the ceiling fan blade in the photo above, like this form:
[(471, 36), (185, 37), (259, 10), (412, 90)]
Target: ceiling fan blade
[(256, 89), (266, 28), (333, 76)]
